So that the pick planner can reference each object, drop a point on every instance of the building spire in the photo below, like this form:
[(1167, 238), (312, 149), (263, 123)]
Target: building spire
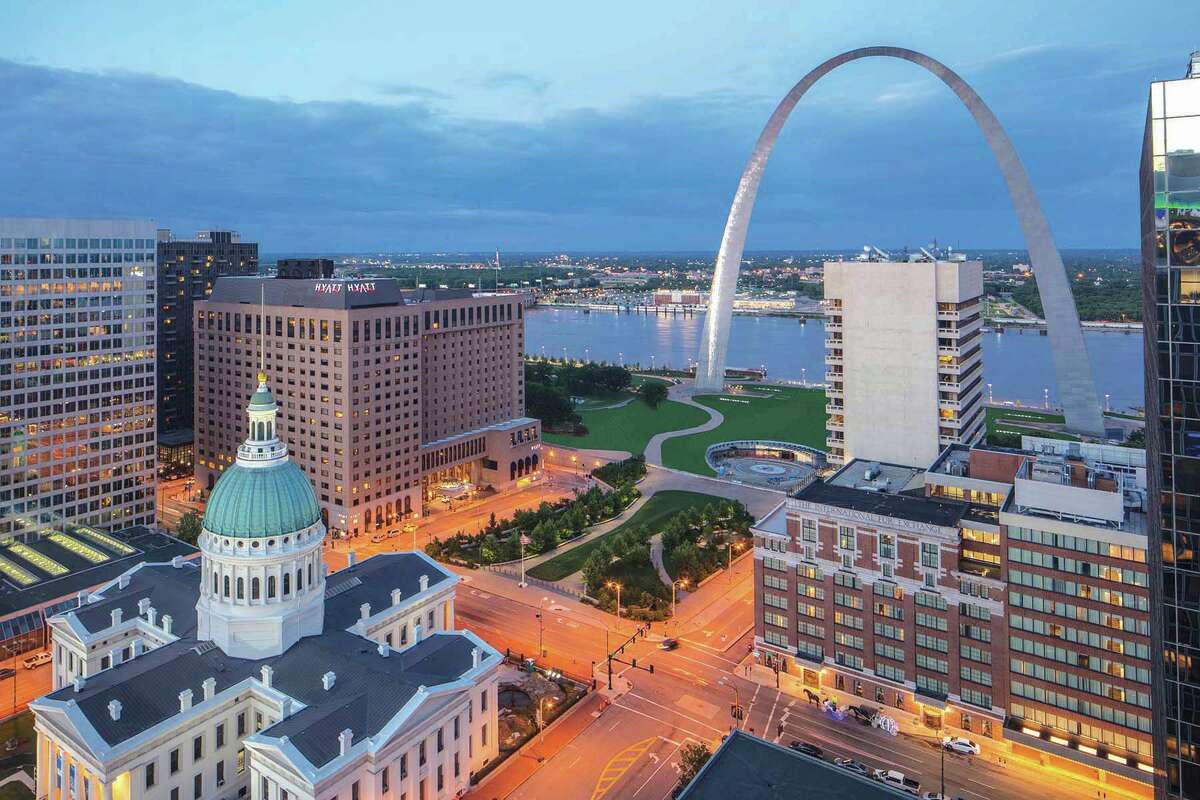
[(262, 330)]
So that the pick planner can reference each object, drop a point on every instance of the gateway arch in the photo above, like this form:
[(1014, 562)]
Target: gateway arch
[(1072, 370)]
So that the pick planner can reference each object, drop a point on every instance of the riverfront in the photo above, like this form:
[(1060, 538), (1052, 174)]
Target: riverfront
[(1016, 363)]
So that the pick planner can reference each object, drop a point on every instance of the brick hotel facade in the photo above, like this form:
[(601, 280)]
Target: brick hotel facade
[(387, 394), (995, 586)]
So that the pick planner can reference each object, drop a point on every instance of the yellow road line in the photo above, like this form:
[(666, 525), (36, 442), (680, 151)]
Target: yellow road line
[(619, 764)]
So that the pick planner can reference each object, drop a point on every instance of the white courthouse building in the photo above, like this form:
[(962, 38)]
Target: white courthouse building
[(252, 674)]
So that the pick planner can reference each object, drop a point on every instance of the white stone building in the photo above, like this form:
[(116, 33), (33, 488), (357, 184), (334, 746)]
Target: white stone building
[(904, 360), (253, 674)]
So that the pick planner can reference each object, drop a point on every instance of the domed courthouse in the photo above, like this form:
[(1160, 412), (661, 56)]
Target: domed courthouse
[(253, 674)]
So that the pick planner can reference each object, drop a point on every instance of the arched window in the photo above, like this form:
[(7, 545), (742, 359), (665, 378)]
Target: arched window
[(241, 589), (512, 470), (270, 587), (227, 586), (255, 588), (287, 583)]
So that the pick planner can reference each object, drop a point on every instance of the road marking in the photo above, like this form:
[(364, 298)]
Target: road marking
[(618, 765), (661, 764), (673, 711), (698, 736)]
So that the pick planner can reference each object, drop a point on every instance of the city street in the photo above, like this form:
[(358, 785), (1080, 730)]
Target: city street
[(631, 748)]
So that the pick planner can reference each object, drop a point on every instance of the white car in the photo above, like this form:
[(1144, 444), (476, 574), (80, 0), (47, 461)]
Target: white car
[(957, 744), (37, 660)]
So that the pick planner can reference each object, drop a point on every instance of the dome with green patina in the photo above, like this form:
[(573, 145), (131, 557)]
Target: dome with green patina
[(262, 398), (253, 502)]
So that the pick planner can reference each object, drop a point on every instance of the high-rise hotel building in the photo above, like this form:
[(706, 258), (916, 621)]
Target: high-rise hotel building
[(187, 270), (1170, 198), (77, 373), (903, 356), (394, 402)]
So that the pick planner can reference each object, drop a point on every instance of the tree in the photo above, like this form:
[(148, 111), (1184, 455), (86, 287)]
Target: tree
[(189, 528), (1136, 438), (550, 405), (653, 393), (595, 571), (691, 759), (687, 561)]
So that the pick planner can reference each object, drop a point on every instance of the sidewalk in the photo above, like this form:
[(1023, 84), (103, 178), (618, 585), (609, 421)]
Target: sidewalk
[(521, 765)]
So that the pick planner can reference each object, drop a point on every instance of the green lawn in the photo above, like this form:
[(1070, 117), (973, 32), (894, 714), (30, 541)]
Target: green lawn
[(15, 791), (637, 573), (788, 414), (656, 511), (1004, 426), (629, 427)]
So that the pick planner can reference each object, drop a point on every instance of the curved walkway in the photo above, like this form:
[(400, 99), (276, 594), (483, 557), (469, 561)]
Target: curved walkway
[(656, 558), (682, 393)]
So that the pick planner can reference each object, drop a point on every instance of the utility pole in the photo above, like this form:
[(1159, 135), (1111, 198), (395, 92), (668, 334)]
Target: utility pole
[(943, 770)]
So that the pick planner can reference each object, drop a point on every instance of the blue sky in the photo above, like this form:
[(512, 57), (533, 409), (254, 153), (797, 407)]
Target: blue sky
[(565, 126)]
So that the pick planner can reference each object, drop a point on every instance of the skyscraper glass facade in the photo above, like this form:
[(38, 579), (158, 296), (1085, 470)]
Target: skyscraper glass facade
[(1170, 189)]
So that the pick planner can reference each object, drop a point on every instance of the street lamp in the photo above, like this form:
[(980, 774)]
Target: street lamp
[(729, 560), (617, 586), (804, 375), (989, 393), (1107, 408), (681, 582)]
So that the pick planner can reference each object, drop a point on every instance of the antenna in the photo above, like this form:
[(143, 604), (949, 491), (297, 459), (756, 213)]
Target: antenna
[(497, 270), (262, 322)]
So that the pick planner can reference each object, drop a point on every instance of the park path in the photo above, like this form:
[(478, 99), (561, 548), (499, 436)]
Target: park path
[(656, 558), (682, 393)]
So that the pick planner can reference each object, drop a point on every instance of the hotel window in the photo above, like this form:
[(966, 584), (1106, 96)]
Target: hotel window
[(846, 538), (930, 555), (808, 530), (887, 546)]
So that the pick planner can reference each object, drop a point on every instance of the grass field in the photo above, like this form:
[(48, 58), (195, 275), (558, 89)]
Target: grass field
[(1005, 423), (788, 414), (656, 511), (636, 572), (629, 427)]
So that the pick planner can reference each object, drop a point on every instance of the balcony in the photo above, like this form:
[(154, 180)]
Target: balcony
[(835, 443), (835, 423), (833, 341), (834, 390), (833, 325), (834, 376), (949, 402), (834, 358), (835, 408)]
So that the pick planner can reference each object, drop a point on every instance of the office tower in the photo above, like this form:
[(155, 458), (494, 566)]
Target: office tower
[(1002, 593), (1170, 199), (904, 360), (187, 270), (394, 402), (77, 373)]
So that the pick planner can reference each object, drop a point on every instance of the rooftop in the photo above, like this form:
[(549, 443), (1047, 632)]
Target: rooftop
[(369, 691), (887, 490), (747, 766), (53, 563)]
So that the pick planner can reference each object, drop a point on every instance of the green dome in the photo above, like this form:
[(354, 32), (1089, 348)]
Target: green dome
[(264, 501)]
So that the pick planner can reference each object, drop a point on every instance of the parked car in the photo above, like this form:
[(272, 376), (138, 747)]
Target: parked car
[(934, 796), (668, 644), (960, 745), (7, 673), (806, 748), (898, 780), (37, 660), (850, 765)]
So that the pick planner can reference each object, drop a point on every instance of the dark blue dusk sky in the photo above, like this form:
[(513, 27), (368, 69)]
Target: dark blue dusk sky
[(565, 126)]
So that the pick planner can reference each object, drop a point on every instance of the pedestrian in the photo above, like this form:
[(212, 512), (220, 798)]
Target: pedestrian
[(779, 730)]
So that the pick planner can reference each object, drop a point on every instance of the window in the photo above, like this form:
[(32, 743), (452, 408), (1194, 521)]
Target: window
[(483, 735), (440, 740), (354, 794), (483, 700), (220, 735), (403, 766), (930, 555), (385, 784), (175, 793), (421, 755), (887, 546), (198, 786), (456, 729), (174, 761), (221, 772), (846, 538), (150, 775), (441, 782), (197, 748), (241, 724), (808, 530)]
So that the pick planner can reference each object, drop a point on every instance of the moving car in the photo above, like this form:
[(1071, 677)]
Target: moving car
[(960, 745), (806, 748), (898, 780), (7, 673), (37, 660), (668, 644), (850, 765)]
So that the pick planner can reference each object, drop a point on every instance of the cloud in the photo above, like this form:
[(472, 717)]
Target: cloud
[(518, 81), (656, 174), (409, 91)]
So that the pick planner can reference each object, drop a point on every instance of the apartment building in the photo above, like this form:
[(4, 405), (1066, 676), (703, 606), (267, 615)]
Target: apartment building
[(996, 587), (77, 374), (394, 402), (187, 271), (904, 361)]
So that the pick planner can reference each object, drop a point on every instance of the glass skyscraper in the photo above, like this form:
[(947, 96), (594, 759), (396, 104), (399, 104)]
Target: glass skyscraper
[(1170, 189)]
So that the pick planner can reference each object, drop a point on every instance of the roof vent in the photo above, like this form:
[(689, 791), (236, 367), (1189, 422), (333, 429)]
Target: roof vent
[(475, 654), (117, 614), (328, 679), (185, 700), (143, 606), (364, 611), (345, 739), (383, 650), (424, 581), (396, 595), (123, 581), (166, 623), (285, 708), (78, 683), (210, 688), (114, 709), (152, 615), (267, 674)]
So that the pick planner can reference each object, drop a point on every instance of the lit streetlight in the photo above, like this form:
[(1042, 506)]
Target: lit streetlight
[(729, 561), (681, 582), (617, 586)]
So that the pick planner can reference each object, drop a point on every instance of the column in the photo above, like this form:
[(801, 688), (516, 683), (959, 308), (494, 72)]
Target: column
[(105, 791), (43, 766)]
